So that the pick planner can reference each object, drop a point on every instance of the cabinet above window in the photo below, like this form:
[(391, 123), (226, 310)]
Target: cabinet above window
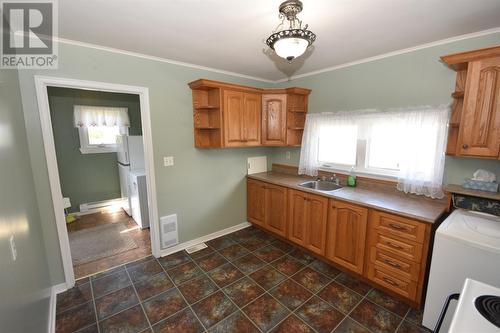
[(229, 115)]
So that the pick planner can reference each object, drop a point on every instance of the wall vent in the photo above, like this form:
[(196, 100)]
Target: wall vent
[(196, 248), (168, 226)]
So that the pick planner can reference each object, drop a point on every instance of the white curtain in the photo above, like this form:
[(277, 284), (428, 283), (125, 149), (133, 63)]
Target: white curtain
[(87, 116), (420, 134)]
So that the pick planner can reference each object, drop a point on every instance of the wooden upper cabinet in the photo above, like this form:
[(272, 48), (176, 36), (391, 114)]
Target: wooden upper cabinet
[(230, 115), (475, 123), (479, 135), (347, 234), (274, 119)]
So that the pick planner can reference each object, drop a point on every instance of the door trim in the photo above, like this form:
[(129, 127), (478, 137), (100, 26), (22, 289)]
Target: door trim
[(41, 84)]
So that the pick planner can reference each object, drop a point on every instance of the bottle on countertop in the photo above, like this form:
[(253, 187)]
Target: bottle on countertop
[(351, 179)]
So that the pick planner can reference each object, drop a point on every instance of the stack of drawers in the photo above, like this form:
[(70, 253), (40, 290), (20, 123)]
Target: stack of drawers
[(397, 255)]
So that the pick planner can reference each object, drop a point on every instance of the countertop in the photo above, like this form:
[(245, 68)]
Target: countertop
[(412, 206)]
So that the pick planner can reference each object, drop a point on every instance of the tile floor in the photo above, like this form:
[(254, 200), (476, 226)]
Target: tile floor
[(141, 238), (247, 281)]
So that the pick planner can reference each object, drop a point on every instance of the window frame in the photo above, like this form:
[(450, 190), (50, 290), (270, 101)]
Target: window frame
[(87, 148)]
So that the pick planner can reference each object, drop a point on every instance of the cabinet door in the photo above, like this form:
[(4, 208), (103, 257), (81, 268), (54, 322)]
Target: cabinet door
[(480, 123), (233, 118), (297, 216), (274, 119), (317, 208), (275, 209), (347, 235), (255, 201), (251, 119)]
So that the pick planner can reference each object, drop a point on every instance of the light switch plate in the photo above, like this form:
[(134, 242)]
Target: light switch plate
[(168, 160)]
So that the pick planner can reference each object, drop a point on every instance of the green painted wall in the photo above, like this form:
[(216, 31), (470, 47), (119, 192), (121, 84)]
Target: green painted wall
[(25, 283), (206, 188), (410, 79), (87, 177)]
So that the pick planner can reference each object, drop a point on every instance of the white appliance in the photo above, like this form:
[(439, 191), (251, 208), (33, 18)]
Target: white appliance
[(478, 301), (466, 245), (139, 198), (130, 156)]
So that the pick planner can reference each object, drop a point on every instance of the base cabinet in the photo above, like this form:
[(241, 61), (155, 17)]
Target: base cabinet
[(346, 235)]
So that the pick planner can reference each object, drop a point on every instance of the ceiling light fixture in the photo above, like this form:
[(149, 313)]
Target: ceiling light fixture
[(292, 42)]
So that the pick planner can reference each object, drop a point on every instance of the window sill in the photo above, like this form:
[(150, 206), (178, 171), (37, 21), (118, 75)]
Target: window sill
[(386, 177), (92, 150)]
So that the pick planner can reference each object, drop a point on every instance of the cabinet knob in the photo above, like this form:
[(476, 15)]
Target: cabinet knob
[(465, 146), (333, 206)]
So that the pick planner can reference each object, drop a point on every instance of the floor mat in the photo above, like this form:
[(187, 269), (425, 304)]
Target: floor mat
[(99, 242)]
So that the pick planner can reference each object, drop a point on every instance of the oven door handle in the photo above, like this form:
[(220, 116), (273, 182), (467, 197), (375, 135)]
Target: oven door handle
[(443, 311)]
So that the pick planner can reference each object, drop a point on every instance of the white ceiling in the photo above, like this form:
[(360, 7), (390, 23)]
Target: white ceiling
[(229, 34)]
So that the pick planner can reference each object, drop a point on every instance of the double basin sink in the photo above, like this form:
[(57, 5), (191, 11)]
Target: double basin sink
[(320, 185)]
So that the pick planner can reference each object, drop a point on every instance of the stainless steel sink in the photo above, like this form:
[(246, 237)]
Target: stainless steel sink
[(320, 185)]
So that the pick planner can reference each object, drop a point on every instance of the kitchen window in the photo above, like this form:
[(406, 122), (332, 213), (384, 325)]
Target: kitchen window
[(404, 144), (98, 139)]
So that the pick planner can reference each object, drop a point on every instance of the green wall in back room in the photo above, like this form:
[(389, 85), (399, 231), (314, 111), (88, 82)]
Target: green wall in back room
[(87, 177), (409, 79)]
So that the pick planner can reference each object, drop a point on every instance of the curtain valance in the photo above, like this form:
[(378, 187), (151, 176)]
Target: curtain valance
[(88, 116)]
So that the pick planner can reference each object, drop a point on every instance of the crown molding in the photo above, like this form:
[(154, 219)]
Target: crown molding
[(395, 53), (293, 77)]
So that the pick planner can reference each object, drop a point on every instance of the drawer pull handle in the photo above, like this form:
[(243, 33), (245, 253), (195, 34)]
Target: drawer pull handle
[(391, 263), (396, 246), (389, 281), (398, 227)]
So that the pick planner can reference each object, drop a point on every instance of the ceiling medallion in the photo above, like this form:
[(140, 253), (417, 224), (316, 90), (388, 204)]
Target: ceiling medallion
[(292, 42)]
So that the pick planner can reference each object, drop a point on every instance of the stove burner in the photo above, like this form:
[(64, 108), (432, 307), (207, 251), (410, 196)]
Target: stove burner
[(489, 307)]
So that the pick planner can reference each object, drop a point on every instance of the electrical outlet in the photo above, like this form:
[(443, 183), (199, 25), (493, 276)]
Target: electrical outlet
[(13, 250), (287, 155), (168, 161)]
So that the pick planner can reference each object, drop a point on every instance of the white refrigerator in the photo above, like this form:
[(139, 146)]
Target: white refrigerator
[(130, 156)]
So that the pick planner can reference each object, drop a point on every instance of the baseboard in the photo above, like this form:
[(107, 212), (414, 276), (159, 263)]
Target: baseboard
[(206, 238), (100, 206), (57, 289)]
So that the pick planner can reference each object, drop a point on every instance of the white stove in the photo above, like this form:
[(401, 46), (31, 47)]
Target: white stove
[(478, 309)]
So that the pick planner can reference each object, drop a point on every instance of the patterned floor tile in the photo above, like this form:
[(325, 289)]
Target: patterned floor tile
[(340, 297), (311, 279), (153, 286), (301, 256), (264, 236), (355, 284), (267, 277), (324, 268), (213, 309), (221, 242), (249, 263), (75, 318), (129, 321), (415, 316), (115, 302), (184, 272), (292, 324), (164, 305), (143, 270), (198, 288), (236, 323), (283, 246), (350, 326), (407, 327), (233, 252), (109, 283), (201, 253), (253, 243), (388, 302), (269, 253), (375, 317), (77, 295), (140, 261), (290, 294), (89, 329), (319, 315), (243, 291), (287, 265), (211, 261), (265, 312), (184, 321), (174, 259), (243, 233), (107, 272), (225, 275)]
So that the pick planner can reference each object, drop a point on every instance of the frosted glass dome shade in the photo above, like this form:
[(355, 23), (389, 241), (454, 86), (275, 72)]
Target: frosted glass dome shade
[(290, 48)]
